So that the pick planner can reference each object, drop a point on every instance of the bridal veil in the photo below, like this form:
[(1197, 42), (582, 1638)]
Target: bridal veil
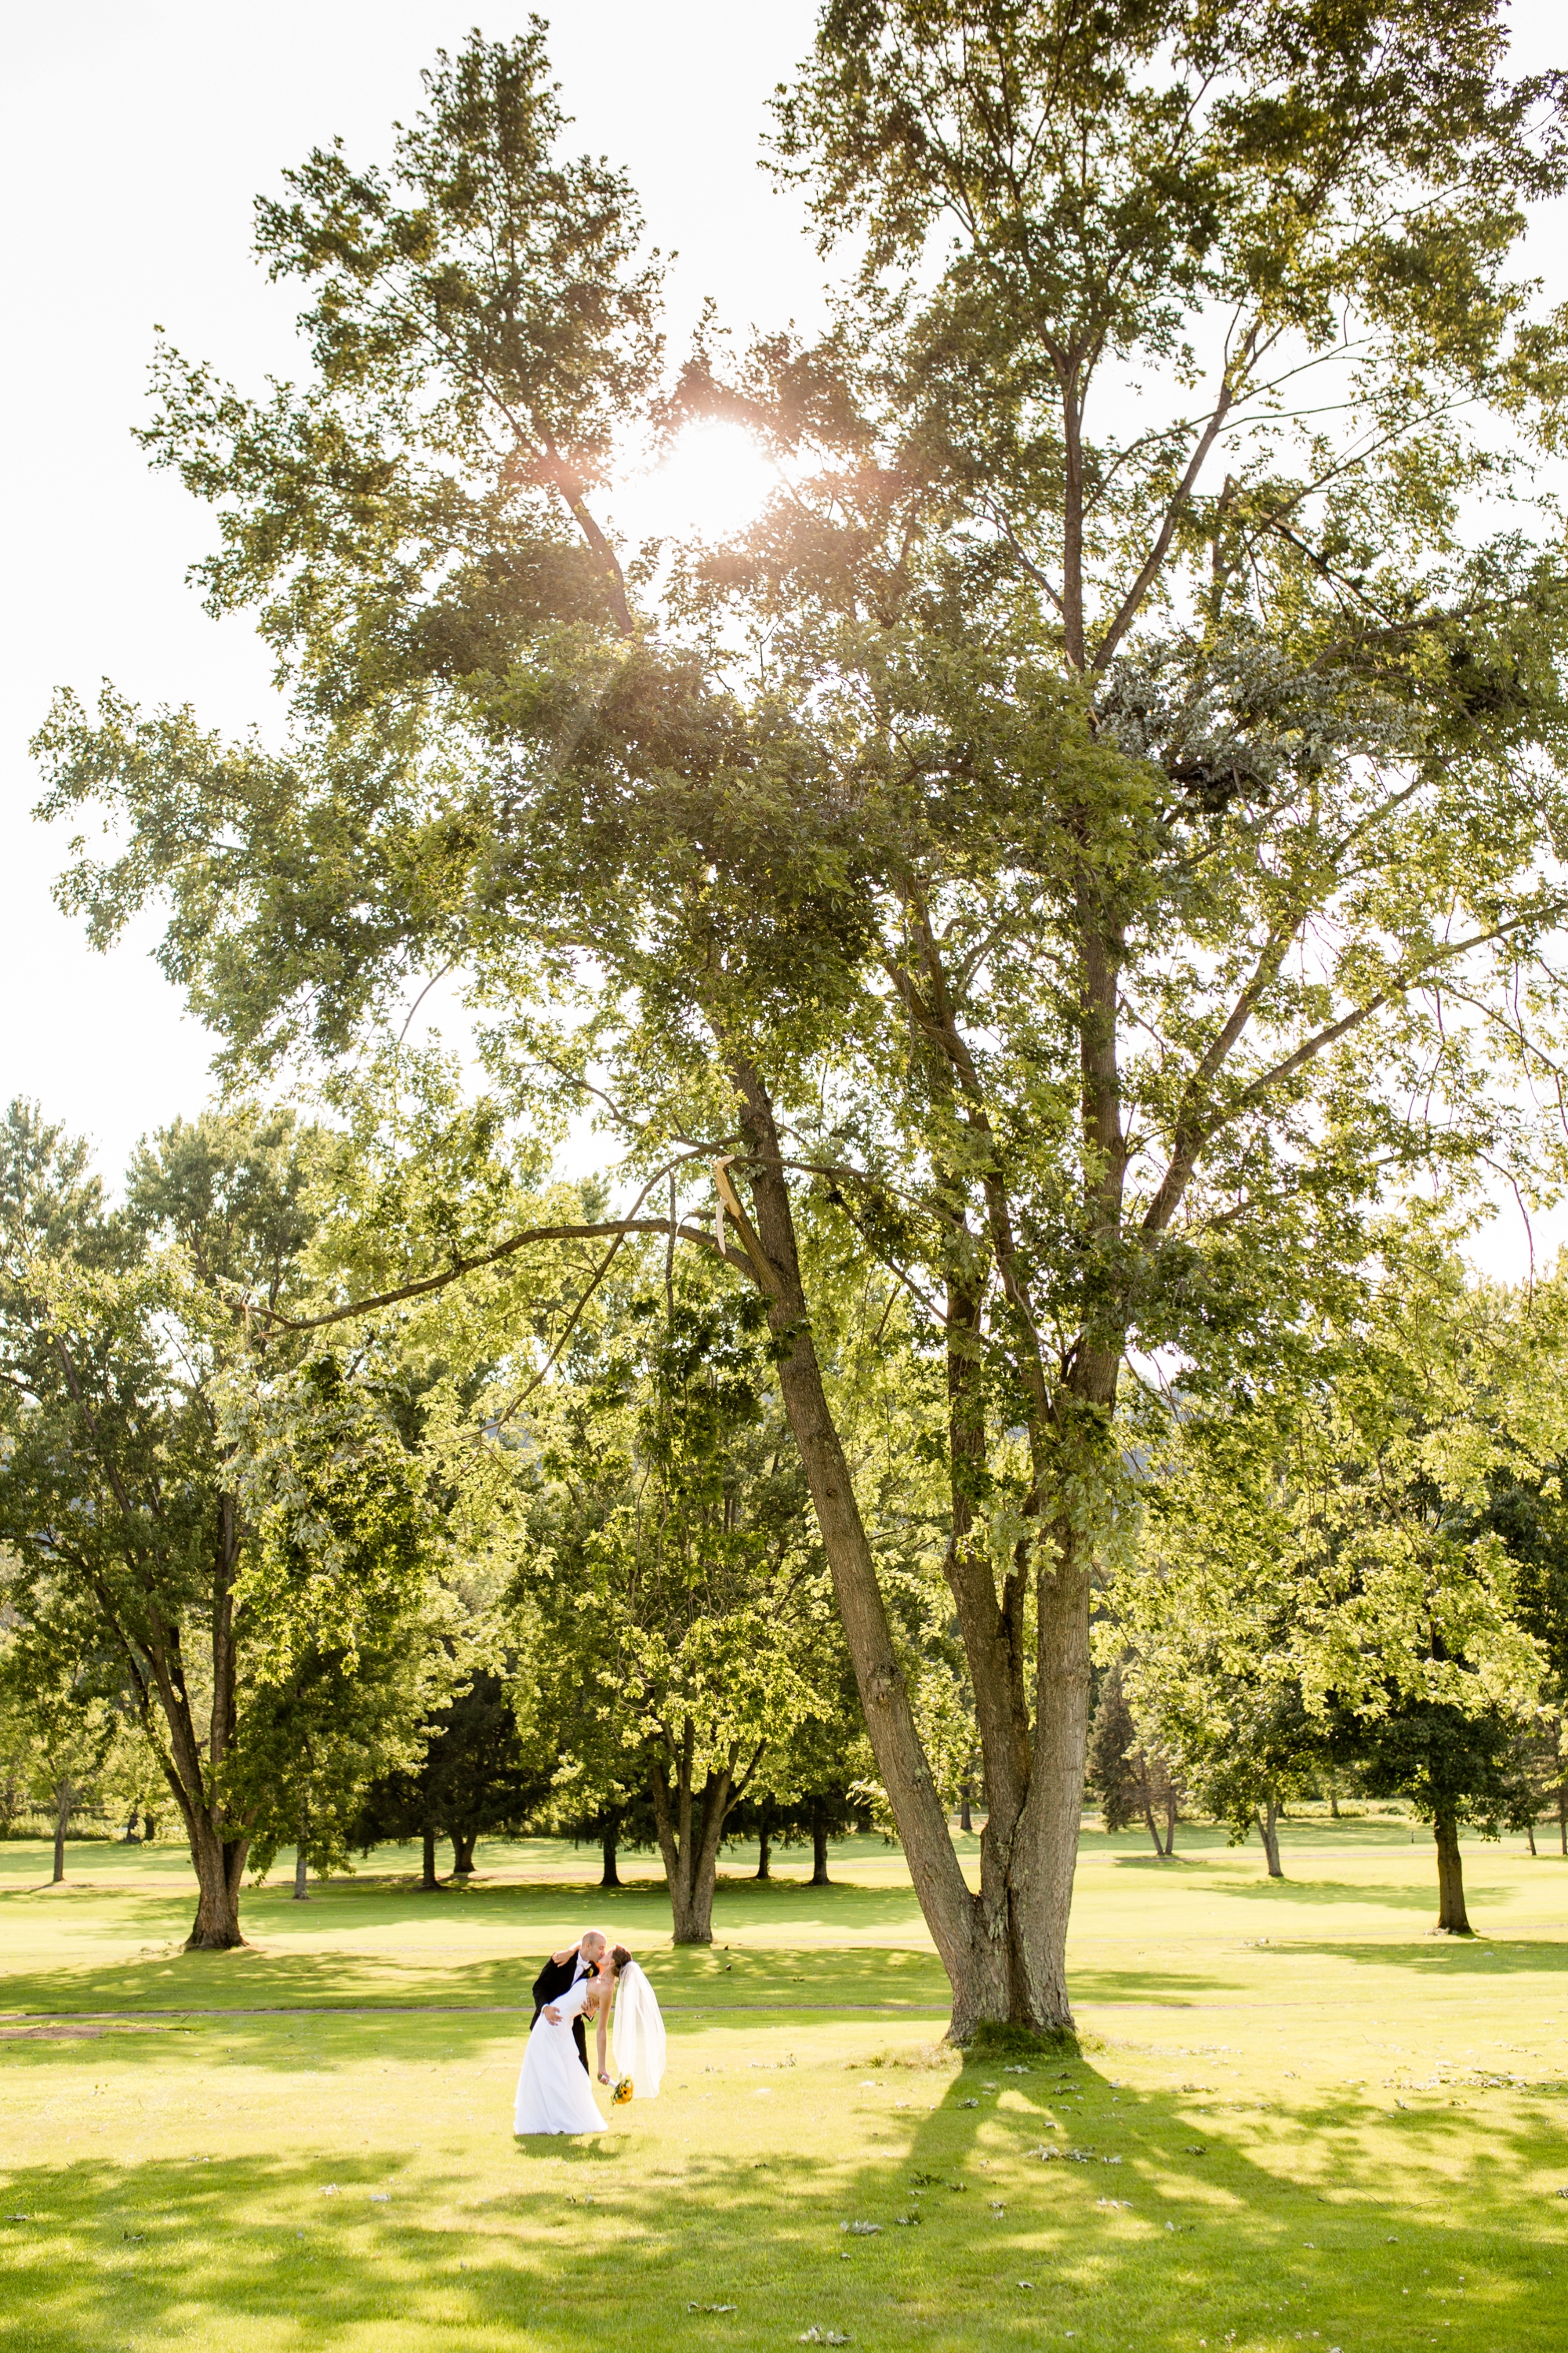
[(637, 2036)]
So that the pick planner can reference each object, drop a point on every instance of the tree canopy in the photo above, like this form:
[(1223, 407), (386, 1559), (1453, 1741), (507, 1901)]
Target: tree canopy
[(202, 1524), (1098, 828)]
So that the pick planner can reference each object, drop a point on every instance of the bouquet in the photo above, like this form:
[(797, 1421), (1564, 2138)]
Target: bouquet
[(623, 2091)]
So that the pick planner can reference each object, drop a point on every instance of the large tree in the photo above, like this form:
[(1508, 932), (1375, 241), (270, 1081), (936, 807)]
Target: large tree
[(1088, 836), (1325, 1582), (229, 1542)]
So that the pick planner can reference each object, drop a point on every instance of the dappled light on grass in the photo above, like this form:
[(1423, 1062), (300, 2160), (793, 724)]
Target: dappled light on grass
[(1258, 2137)]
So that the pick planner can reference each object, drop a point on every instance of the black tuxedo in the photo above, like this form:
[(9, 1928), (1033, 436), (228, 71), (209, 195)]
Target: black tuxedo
[(555, 1979)]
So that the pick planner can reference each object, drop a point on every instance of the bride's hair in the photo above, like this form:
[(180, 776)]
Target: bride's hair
[(620, 1956)]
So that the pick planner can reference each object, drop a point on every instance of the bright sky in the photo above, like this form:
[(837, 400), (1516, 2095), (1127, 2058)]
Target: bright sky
[(131, 142)]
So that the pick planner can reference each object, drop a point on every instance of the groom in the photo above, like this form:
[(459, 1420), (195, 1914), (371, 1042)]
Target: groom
[(559, 1975)]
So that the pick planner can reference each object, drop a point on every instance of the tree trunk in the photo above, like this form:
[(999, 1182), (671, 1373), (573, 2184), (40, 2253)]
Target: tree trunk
[(965, 1822), (764, 1849), (1152, 1826), (690, 1828), (1452, 1918), (819, 1844), (220, 1872), (1004, 1951), (64, 1798), (1171, 1812), (428, 1883), (301, 1891), (1530, 1834), (1563, 1815), (218, 1853), (463, 1853), (944, 1897), (1333, 1797), (608, 1843), (149, 1830), (1268, 1831)]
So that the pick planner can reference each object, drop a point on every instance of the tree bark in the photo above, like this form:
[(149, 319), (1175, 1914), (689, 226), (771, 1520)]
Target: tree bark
[(690, 1824), (220, 1871), (149, 1830), (1452, 1918), (428, 1882), (463, 1845), (1268, 1831), (65, 1797), (217, 1849), (1530, 1834), (301, 1888), (764, 1850), (1004, 1950), (819, 1844), (977, 1972), (1153, 1827), (1563, 1815), (608, 1843), (965, 1822), (1172, 1809)]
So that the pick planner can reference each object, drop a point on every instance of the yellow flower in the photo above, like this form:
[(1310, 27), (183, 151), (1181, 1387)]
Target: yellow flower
[(623, 2091)]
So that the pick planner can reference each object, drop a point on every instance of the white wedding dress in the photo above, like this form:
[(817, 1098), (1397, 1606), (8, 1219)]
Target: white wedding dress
[(637, 2037), (554, 2094)]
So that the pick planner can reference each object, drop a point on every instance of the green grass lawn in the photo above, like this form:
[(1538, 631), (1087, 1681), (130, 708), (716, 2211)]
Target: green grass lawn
[(1294, 2117)]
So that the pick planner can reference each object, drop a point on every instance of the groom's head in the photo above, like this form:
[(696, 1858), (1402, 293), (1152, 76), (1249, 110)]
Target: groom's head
[(592, 1947)]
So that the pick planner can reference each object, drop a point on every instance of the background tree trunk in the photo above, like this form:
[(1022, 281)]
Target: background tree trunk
[(609, 1841), (764, 1849), (1268, 1831), (1563, 1815), (220, 1870), (463, 1853), (428, 1882), (1530, 1834), (301, 1891), (965, 1822), (64, 1795), (149, 1830), (691, 1827), (819, 1844), (1172, 1810), (1451, 1914)]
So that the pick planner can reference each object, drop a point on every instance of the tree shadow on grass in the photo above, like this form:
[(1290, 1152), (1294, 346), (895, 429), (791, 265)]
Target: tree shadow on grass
[(1174, 1986), (571, 2244), (1454, 1957), (1149, 2227), (345, 1926), (227, 1983)]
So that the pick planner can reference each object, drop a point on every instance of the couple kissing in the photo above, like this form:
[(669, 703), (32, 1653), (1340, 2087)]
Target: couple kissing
[(590, 1980)]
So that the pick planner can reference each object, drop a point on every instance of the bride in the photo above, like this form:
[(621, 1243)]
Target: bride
[(553, 2094)]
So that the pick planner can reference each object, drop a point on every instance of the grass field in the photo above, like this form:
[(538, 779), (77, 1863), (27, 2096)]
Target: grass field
[(1294, 2117)]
